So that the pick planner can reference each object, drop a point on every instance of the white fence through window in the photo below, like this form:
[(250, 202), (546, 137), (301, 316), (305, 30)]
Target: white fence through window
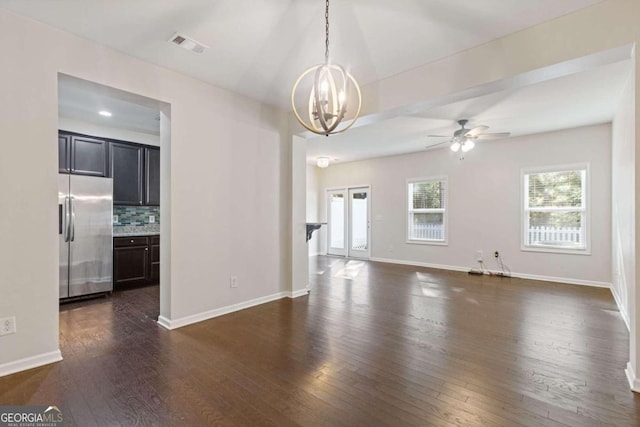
[(555, 235), (426, 231)]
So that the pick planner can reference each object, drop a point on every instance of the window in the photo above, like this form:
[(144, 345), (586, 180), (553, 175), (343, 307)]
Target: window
[(555, 209), (427, 210)]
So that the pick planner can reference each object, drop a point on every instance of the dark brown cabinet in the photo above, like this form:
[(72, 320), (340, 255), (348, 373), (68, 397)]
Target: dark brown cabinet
[(82, 155), (136, 261), (154, 261), (64, 153), (135, 168), (89, 156), (126, 171), (152, 176)]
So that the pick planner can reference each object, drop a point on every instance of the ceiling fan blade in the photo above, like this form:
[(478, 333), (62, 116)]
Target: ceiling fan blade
[(493, 135), (438, 136), (476, 131), (437, 144)]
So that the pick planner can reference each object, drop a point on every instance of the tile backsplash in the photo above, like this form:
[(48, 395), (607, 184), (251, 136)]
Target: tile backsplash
[(135, 215)]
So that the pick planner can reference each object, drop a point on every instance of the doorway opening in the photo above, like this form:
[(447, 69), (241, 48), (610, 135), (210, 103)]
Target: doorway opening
[(113, 158), (348, 222)]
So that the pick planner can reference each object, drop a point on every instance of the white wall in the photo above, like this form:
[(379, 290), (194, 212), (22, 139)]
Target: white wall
[(87, 128), (623, 201), (485, 202), (313, 206), (229, 161)]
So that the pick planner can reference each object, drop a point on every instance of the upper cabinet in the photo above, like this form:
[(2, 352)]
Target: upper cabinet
[(82, 155), (127, 173), (135, 168), (64, 153), (152, 176)]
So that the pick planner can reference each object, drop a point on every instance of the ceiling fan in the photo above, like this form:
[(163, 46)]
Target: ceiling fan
[(464, 139)]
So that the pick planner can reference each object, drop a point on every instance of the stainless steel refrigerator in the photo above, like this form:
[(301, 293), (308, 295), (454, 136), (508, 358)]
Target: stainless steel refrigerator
[(85, 208)]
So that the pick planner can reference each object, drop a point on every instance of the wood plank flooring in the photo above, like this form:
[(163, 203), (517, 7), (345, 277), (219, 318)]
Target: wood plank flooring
[(373, 344)]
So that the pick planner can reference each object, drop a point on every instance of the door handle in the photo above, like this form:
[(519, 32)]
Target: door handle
[(73, 218), (67, 218)]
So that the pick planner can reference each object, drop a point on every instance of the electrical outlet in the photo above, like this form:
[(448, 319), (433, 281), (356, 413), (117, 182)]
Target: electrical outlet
[(152, 219), (234, 281), (496, 254), (479, 257), (8, 325), (115, 219)]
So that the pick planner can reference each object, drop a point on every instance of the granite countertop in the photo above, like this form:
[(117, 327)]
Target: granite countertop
[(135, 230)]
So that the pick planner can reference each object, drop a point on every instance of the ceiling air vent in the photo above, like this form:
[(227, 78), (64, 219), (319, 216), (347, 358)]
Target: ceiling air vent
[(187, 43)]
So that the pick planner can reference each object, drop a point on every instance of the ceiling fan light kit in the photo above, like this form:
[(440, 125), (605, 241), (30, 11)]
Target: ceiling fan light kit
[(464, 139), (331, 92)]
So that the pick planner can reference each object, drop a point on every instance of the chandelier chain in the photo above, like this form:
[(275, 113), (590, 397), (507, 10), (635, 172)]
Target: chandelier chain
[(326, 18)]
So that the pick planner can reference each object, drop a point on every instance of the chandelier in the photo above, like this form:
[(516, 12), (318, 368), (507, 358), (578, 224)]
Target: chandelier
[(331, 90)]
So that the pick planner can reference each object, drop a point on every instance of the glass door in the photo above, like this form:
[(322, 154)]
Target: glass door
[(348, 222), (359, 222), (336, 224)]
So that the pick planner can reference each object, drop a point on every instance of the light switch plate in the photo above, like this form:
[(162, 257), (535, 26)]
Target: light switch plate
[(152, 219)]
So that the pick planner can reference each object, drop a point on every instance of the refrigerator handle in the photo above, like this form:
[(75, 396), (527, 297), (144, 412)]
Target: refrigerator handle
[(73, 218), (67, 219)]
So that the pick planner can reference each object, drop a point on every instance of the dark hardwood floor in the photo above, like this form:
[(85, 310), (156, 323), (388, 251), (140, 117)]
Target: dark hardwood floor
[(373, 344)]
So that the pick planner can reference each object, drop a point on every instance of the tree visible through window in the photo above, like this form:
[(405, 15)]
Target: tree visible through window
[(427, 210), (555, 209)]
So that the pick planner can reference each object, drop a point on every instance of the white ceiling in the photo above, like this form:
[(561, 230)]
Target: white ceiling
[(258, 47), (82, 100), (580, 99)]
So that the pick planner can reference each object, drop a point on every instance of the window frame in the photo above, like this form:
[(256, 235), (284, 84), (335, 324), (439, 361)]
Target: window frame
[(585, 210), (409, 210)]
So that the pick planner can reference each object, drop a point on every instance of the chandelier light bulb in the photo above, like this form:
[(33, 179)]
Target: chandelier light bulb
[(324, 87), (342, 98), (455, 147)]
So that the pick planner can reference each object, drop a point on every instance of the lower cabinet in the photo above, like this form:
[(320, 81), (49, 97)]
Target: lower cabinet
[(136, 261)]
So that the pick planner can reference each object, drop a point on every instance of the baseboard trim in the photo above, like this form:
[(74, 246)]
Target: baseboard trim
[(621, 309), (30, 363), (298, 293), (634, 382), (566, 280), (210, 314), (420, 264), (516, 275)]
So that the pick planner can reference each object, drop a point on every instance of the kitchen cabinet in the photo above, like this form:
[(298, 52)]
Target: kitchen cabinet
[(64, 153), (81, 155), (154, 261), (89, 156), (152, 176), (135, 168), (127, 173), (136, 261)]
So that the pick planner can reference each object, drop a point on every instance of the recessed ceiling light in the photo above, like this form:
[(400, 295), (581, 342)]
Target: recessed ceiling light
[(105, 113)]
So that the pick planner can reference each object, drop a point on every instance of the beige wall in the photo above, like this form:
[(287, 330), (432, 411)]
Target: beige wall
[(313, 205), (484, 203), (623, 203), (228, 183)]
